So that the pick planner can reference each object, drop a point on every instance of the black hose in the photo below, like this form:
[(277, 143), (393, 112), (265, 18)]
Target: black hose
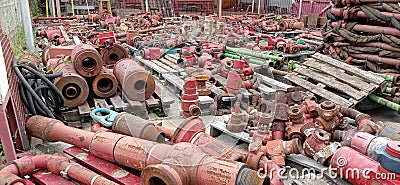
[(39, 95)]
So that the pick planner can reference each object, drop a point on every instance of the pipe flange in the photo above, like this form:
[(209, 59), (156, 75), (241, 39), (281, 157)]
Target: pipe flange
[(385, 158)]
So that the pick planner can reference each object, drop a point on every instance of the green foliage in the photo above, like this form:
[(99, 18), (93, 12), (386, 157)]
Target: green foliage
[(36, 11), (19, 47)]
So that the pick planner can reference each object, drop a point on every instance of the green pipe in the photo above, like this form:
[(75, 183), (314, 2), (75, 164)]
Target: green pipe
[(384, 102), (388, 78), (388, 90), (389, 84), (251, 60), (253, 54), (293, 65)]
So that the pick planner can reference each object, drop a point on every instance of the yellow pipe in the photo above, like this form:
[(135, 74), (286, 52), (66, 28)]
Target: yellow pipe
[(47, 8), (72, 5)]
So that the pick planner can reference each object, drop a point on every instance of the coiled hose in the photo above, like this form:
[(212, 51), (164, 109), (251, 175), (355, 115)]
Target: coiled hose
[(39, 95)]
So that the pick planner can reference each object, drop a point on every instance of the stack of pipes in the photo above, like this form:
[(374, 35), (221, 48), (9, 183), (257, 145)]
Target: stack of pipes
[(365, 33)]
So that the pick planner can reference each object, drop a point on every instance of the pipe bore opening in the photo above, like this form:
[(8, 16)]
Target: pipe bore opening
[(114, 57), (88, 63), (71, 91), (321, 134), (195, 111), (140, 85), (295, 110), (156, 181), (105, 85)]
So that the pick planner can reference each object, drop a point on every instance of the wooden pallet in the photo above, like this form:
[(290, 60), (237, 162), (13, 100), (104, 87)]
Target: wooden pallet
[(327, 78)]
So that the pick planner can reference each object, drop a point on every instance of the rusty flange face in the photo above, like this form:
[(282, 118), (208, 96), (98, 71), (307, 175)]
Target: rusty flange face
[(73, 87), (136, 82), (315, 142), (86, 60), (113, 54), (160, 174), (187, 130), (105, 84)]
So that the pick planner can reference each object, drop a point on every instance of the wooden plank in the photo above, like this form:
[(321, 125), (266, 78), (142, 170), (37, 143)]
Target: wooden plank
[(174, 80), (220, 79), (332, 82), (171, 58), (84, 109), (151, 65), (165, 98), (318, 90), (273, 83), (100, 103), (117, 102), (152, 102), (342, 76), (169, 69), (350, 69)]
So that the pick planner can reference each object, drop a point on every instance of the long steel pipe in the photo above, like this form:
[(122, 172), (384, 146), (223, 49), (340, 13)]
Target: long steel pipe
[(180, 163), (254, 54), (341, 12), (378, 59), (371, 29), (58, 165)]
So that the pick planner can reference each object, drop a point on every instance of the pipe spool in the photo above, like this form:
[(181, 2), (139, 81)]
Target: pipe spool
[(87, 60), (128, 124), (112, 54), (105, 84), (135, 81), (72, 86), (183, 163)]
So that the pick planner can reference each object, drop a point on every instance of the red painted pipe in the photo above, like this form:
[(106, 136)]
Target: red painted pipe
[(182, 163), (379, 45), (353, 2), (371, 29), (55, 164), (341, 12), (377, 59)]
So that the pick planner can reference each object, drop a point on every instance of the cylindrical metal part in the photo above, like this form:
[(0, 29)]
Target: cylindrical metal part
[(73, 86), (86, 59), (128, 124), (191, 164), (136, 83), (105, 84), (113, 54), (315, 142)]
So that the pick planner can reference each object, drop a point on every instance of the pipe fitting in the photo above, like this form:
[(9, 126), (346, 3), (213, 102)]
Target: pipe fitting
[(136, 83), (367, 144), (192, 165), (235, 123), (105, 84), (329, 116), (190, 98), (87, 60), (315, 142), (112, 54), (389, 156)]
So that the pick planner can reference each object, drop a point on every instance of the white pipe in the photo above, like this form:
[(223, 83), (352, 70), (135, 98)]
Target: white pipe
[(26, 19), (259, 6), (147, 5), (252, 6), (300, 6), (220, 8)]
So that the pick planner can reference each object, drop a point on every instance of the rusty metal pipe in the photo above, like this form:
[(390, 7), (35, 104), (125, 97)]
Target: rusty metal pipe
[(72, 86), (87, 60), (341, 12), (363, 121), (58, 165), (378, 59), (136, 83), (186, 164), (105, 84), (371, 29), (110, 55)]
